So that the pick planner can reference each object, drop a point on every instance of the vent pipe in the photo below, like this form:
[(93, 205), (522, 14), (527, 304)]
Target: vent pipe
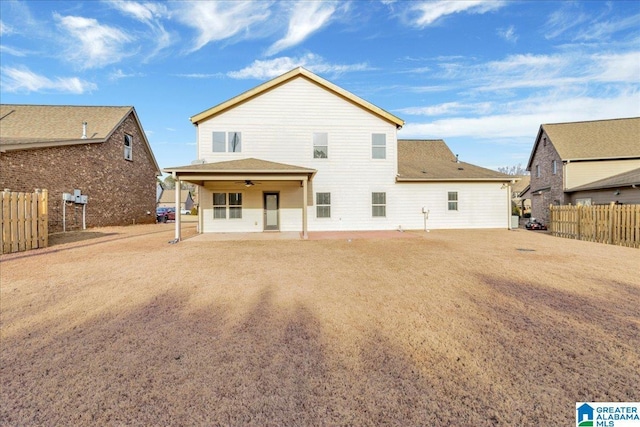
[(457, 161), (84, 130)]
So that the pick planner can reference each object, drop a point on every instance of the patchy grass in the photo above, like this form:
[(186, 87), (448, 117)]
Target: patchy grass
[(453, 328)]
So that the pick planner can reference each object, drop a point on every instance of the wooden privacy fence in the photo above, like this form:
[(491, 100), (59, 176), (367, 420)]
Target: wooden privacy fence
[(612, 224), (24, 221)]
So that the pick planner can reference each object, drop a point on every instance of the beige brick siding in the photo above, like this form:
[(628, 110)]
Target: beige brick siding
[(543, 157), (121, 192)]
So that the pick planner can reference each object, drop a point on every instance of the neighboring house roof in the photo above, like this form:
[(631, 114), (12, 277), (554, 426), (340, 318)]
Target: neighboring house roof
[(625, 179), (432, 160), (25, 127), (521, 185), (169, 196), (293, 74), (593, 140), (249, 165)]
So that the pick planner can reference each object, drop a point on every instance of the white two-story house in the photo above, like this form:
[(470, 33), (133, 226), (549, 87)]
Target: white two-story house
[(298, 153)]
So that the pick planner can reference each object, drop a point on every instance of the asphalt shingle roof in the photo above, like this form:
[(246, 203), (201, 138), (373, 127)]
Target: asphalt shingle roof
[(432, 160), (29, 124), (600, 139)]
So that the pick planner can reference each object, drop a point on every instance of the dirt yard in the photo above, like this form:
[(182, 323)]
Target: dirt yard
[(464, 328)]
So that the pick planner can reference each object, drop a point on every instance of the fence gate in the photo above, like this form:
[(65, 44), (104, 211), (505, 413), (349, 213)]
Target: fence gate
[(612, 224), (24, 221)]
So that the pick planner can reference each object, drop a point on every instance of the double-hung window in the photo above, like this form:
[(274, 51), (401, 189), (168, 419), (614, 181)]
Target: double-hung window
[(378, 204), (320, 145), (223, 202), (226, 142), (452, 200), (378, 146), (128, 147), (323, 205)]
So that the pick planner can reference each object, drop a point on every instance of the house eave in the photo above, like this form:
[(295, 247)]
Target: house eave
[(509, 180)]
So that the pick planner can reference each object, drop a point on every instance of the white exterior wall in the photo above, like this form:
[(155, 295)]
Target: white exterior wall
[(580, 173), (279, 125), (480, 205)]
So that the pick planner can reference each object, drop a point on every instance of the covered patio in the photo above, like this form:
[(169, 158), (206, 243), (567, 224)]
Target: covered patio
[(247, 195)]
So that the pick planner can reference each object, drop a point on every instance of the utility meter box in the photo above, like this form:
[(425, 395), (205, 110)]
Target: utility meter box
[(82, 200)]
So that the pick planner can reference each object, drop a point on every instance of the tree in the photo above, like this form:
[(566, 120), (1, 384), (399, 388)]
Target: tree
[(513, 170), (169, 183)]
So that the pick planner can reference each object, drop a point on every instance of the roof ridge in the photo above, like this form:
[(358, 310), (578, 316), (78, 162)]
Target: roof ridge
[(67, 105), (591, 121)]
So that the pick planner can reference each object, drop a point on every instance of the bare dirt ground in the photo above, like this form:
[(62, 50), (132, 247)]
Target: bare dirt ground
[(464, 328)]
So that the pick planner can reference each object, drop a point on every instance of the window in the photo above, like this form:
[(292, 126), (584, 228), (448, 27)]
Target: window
[(584, 201), (378, 146), (235, 205), (235, 142), (323, 205), (554, 167), (128, 147), (220, 205), (452, 200), (378, 204), (220, 139), (537, 171), (320, 145), (218, 142)]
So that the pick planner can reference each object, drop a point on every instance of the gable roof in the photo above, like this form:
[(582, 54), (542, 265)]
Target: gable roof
[(249, 165), (593, 140), (169, 196), (625, 179), (299, 72), (521, 185), (24, 127), (432, 160)]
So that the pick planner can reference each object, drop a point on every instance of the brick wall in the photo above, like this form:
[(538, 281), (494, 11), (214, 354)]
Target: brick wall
[(121, 192), (551, 184)]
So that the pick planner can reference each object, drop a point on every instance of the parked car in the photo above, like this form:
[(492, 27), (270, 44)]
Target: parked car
[(185, 212), (165, 214), (534, 224)]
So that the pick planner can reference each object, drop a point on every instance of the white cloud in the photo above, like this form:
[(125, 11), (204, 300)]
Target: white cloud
[(268, 69), (561, 21), (426, 13), (522, 119), (215, 21), (306, 18), (150, 14), (21, 79), (200, 75), (509, 34), (5, 29), (448, 108), (99, 45), (119, 74), (602, 30), (11, 51)]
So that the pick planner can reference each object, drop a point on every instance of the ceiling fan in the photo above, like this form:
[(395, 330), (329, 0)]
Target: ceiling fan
[(247, 183)]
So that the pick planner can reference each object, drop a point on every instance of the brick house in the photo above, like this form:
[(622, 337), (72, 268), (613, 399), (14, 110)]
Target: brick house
[(101, 151), (567, 157)]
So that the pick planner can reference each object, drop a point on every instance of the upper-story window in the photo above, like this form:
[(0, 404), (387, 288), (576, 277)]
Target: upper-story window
[(227, 142), (128, 147), (537, 171), (320, 145), (554, 167), (378, 146)]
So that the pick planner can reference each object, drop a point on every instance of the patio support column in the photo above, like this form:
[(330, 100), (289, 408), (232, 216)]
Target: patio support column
[(178, 197), (305, 202)]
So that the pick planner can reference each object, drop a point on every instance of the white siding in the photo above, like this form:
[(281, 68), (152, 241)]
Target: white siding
[(278, 126), (480, 205), (580, 173)]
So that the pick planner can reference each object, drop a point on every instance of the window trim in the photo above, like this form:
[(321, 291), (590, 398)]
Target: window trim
[(228, 206), (323, 205), (537, 171), (128, 148), (225, 144), (375, 205), (325, 145), (554, 167), (452, 203), (383, 146)]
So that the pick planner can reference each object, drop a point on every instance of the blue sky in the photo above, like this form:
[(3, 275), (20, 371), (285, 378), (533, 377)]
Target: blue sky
[(482, 75)]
